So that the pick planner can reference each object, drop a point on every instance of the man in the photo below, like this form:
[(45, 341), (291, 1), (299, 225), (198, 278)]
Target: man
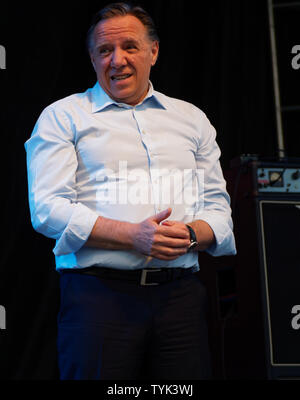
[(128, 182)]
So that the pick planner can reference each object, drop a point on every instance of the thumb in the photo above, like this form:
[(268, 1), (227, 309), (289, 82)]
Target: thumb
[(162, 215)]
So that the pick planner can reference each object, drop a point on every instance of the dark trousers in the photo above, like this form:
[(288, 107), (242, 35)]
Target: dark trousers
[(111, 329)]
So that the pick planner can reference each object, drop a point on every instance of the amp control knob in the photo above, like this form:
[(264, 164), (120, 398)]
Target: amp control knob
[(295, 175)]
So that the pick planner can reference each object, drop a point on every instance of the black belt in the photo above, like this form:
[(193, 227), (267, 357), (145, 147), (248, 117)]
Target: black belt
[(144, 277)]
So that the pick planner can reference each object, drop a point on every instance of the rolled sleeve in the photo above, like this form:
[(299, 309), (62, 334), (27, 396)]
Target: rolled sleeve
[(77, 231), (52, 164), (224, 239), (216, 209)]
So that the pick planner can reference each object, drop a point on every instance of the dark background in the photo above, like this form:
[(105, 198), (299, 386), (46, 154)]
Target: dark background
[(215, 54)]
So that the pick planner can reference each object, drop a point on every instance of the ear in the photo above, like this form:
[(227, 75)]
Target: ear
[(154, 51)]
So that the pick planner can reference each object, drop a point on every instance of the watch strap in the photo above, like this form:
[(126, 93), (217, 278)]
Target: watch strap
[(193, 237)]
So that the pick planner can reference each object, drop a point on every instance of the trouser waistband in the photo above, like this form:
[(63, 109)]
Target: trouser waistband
[(143, 277)]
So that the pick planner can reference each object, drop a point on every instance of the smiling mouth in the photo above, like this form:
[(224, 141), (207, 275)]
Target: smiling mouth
[(120, 77)]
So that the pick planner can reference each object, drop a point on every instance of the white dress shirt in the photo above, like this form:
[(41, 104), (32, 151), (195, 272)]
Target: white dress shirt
[(90, 156)]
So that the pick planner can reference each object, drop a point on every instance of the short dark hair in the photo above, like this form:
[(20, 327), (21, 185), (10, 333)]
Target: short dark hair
[(122, 9)]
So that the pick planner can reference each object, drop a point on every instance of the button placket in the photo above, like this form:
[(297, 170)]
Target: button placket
[(153, 178)]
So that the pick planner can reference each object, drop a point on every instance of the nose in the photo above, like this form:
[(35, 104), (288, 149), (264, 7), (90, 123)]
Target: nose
[(118, 59)]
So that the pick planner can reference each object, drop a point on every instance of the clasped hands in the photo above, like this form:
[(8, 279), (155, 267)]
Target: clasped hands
[(155, 236), (161, 238)]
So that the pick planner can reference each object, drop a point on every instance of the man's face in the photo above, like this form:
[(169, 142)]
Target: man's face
[(122, 56)]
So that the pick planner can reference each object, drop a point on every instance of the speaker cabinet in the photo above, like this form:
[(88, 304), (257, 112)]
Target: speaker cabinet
[(280, 270), (254, 297)]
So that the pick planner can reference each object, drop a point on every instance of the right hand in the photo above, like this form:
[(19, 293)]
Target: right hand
[(166, 242)]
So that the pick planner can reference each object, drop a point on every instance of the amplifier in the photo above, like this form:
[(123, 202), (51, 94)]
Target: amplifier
[(254, 296), (264, 176), (278, 179)]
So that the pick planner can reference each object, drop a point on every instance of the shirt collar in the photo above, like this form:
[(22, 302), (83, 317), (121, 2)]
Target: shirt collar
[(101, 100)]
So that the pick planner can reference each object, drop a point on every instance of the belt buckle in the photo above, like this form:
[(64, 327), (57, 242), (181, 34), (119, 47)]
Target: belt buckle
[(144, 277)]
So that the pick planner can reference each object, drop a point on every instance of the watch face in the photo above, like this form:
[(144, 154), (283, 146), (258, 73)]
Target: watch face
[(192, 245)]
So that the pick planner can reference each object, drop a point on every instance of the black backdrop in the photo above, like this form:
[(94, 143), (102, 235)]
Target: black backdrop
[(215, 54)]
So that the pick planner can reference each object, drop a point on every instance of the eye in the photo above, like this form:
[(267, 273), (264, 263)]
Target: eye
[(131, 47), (104, 51)]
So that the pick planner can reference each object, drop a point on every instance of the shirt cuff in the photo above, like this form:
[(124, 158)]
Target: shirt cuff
[(76, 232), (225, 242)]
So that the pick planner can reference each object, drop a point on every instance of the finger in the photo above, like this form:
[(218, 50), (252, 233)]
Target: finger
[(169, 254), (167, 241), (174, 230), (168, 223), (161, 215)]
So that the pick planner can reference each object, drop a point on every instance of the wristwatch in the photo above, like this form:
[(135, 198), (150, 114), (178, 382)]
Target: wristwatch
[(193, 238)]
